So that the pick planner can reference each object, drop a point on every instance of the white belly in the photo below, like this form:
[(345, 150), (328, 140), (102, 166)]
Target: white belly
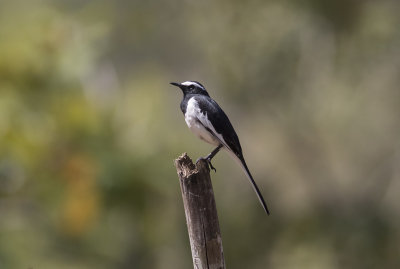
[(194, 124)]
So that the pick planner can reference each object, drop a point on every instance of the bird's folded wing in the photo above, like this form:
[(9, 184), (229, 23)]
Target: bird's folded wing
[(215, 121)]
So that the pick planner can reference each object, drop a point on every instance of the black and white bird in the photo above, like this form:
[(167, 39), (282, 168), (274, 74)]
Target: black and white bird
[(208, 121)]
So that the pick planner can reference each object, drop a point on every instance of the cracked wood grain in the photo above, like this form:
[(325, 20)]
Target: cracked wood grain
[(201, 213)]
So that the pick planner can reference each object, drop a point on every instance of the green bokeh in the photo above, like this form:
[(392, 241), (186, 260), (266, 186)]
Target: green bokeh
[(89, 129)]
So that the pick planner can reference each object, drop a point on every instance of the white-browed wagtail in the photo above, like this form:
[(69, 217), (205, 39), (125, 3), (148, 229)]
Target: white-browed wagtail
[(209, 122)]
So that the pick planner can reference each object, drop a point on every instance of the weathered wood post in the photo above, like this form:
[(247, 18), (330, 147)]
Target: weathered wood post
[(201, 213)]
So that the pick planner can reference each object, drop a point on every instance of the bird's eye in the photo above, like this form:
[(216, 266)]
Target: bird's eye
[(191, 87)]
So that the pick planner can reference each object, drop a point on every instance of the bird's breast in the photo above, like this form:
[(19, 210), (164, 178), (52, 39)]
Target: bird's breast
[(192, 115)]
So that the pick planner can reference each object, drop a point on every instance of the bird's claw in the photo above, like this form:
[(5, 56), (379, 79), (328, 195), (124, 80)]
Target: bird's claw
[(211, 166), (208, 162)]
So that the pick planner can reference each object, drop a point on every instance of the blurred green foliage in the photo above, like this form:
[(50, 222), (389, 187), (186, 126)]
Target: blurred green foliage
[(89, 128)]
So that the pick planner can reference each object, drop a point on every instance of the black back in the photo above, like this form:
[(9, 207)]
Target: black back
[(218, 119)]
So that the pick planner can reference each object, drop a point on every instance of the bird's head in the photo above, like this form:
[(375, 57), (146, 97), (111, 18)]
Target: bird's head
[(191, 87)]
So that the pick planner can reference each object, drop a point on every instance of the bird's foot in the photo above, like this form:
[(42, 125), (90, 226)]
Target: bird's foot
[(211, 166), (208, 160)]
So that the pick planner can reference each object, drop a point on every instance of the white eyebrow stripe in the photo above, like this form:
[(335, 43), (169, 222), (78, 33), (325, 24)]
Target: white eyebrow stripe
[(187, 83)]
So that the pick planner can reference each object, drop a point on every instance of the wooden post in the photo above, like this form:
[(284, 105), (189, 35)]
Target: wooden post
[(201, 213)]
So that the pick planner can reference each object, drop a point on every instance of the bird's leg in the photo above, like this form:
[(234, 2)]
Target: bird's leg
[(213, 153), (210, 156)]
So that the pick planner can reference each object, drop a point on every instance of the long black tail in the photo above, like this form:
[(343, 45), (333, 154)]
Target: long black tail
[(253, 183)]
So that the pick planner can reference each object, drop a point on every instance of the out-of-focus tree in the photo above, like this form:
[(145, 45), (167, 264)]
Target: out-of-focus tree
[(89, 128)]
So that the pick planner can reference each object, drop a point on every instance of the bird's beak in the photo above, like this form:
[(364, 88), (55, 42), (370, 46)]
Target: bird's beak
[(176, 84)]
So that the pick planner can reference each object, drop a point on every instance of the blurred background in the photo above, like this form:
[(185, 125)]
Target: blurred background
[(89, 129)]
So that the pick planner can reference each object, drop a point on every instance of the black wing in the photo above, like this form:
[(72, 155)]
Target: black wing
[(220, 122), (217, 119)]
